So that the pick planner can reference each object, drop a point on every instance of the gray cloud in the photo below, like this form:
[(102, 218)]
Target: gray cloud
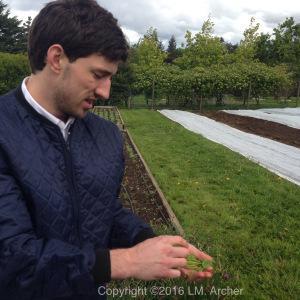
[(231, 17), (135, 15), (272, 19), (25, 5), (220, 9), (141, 15)]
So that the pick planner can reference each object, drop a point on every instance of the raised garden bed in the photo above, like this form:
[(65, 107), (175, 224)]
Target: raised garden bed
[(140, 192), (272, 130)]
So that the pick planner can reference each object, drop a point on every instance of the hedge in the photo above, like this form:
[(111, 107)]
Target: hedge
[(13, 68)]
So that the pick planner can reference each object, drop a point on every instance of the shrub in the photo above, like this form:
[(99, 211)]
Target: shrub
[(13, 68)]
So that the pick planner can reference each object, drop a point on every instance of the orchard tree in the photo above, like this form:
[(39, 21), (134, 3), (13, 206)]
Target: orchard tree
[(148, 64), (265, 49), (152, 34), (247, 48), (287, 47), (283, 80), (286, 42), (203, 49), (122, 85), (208, 67)]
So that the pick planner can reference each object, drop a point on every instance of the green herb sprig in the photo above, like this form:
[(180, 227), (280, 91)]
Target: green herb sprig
[(193, 263)]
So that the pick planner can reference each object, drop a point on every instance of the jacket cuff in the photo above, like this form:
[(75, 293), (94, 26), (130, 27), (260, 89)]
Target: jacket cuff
[(102, 268), (143, 235)]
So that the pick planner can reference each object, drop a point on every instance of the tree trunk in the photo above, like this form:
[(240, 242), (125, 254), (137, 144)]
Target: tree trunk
[(298, 93), (249, 91), (129, 99), (244, 98), (219, 100), (153, 86), (147, 99), (200, 103)]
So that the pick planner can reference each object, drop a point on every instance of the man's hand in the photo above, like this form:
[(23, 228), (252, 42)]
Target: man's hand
[(156, 258), (194, 275)]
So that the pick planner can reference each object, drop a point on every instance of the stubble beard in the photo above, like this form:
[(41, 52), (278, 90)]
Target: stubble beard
[(62, 99), (61, 104)]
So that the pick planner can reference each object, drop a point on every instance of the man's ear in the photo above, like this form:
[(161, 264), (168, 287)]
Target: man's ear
[(56, 58)]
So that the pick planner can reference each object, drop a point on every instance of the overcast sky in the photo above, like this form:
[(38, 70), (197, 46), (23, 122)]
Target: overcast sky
[(231, 17)]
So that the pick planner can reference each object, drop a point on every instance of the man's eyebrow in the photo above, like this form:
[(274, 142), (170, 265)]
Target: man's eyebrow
[(103, 71)]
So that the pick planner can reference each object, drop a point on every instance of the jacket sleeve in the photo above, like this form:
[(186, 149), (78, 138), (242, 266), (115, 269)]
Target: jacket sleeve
[(128, 229), (33, 267)]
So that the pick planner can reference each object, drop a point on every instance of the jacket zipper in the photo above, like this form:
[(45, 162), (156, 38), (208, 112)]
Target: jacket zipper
[(71, 182)]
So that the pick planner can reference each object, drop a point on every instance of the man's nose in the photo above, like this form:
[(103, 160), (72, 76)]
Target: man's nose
[(103, 88)]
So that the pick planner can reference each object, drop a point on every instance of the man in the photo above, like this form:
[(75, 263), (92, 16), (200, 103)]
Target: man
[(63, 231)]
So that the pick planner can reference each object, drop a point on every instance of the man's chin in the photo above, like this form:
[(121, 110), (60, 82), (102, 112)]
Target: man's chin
[(78, 114), (82, 114)]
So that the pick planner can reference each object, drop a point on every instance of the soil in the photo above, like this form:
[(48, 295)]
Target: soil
[(271, 130), (138, 193)]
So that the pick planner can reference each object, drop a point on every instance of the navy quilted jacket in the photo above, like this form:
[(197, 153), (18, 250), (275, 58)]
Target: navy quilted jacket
[(59, 207)]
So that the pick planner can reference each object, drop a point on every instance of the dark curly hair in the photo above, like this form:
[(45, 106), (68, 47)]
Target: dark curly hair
[(81, 27)]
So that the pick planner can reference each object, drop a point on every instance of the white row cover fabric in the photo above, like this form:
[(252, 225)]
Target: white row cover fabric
[(284, 160), (286, 116)]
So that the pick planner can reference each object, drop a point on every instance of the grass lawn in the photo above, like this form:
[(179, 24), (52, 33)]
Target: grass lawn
[(246, 217)]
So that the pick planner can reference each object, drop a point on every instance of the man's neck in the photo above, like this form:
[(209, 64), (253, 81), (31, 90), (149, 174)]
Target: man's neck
[(41, 89)]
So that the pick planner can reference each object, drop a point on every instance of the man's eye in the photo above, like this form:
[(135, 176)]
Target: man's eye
[(98, 76)]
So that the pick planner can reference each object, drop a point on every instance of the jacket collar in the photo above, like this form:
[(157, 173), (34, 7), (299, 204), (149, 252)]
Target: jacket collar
[(29, 110)]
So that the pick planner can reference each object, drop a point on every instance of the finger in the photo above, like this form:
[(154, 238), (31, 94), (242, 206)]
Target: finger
[(180, 263), (172, 273), (184, 273), (209, 274), (176, 240), (189, 275), (199, 254), (176, 263), (179, 252), (202, 275), (206, 272)]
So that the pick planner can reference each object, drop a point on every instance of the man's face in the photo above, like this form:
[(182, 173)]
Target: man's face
[(81, 83)]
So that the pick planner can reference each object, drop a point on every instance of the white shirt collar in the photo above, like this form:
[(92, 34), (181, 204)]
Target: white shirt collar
[(64, 127)]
